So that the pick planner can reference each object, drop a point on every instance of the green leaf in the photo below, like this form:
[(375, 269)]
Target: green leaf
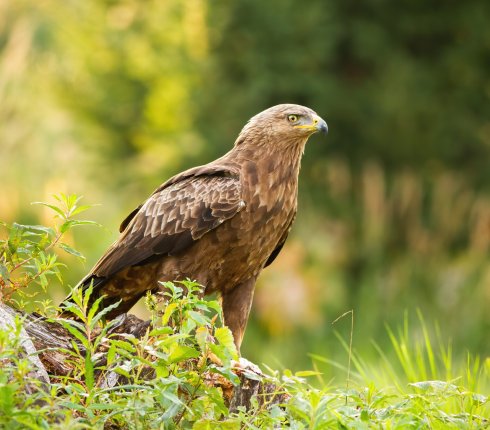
[(161, 331), (69, 201), (21, 231), (92, 311), (7, 393), (214, 305), (123, 387), (89, 371), (75, 329), (81, 208), (58, 210), (103, 312), (172, 397), (71, 405), (40, 228), (4, 272), (227, 373), (205, 424), (221, 352), (73, 308), (434, 385), (169, 310), (202, 336), (364, 415), (169, 340), (188, 325), (181, 353), (67, 225), (225, 338), (122, 345), (173, 410), (122, 370), (305, 373), (197, 317), (71, 251)]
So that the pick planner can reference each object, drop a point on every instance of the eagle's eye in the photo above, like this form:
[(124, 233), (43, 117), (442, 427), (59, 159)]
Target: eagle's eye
[(292, 118)]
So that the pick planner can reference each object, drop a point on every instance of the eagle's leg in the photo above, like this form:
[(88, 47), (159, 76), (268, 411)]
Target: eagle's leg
[(236, 308)]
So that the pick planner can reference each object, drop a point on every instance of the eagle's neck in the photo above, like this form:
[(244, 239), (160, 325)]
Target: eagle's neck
[(269, 172), (280, 157)]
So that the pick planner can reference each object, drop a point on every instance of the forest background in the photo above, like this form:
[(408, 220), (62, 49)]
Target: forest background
[(110, 98)]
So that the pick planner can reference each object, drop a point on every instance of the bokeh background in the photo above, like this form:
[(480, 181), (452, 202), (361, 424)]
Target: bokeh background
[(107, 99)]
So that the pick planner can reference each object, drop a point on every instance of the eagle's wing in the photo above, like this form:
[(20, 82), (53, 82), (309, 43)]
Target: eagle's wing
[(175, 216)]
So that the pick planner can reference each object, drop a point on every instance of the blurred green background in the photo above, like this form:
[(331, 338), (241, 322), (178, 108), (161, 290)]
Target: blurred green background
[(109, 98)]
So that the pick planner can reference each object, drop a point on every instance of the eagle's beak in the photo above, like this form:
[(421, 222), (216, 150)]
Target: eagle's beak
[(320, 124), (317, 124)]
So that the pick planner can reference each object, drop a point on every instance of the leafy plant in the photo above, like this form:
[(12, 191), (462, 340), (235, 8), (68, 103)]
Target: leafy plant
[(28, 253), (171, 372), (174, 377)]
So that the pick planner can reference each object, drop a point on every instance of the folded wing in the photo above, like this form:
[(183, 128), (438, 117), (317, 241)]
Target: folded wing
[(175, 216)]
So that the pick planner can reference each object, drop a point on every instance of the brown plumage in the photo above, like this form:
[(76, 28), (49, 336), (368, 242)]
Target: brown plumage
[(219, 224)]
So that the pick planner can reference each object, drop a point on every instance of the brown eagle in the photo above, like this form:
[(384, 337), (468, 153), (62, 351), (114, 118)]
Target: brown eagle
[(219, 224)]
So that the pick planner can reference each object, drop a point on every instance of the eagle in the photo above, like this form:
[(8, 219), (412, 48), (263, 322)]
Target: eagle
[(219, 224)]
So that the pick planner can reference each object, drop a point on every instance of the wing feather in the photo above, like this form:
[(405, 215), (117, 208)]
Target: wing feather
[(179, 213)]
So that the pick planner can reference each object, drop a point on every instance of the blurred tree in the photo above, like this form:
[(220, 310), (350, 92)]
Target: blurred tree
[(128, 71), (406, 83)]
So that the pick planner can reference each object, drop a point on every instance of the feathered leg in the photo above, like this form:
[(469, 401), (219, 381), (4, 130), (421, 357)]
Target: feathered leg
[(236, 308)]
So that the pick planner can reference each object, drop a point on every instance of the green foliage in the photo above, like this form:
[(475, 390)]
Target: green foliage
[(180, 392), (175, 352), (28, 252)]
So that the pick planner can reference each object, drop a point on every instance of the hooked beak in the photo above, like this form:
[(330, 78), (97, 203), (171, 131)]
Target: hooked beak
[(320, 124), (317, 124)]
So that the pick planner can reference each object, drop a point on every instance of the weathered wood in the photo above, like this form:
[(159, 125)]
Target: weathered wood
[(27, 348), (48, 346)]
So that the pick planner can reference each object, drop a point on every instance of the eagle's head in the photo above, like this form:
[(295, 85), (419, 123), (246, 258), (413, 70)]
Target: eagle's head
[(285, 123)]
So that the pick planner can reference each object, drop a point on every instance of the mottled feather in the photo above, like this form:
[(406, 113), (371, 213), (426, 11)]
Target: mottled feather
[(174, 216)]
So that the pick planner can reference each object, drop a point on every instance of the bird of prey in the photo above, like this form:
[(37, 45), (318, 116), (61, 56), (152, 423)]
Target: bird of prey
[(219, 224)]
